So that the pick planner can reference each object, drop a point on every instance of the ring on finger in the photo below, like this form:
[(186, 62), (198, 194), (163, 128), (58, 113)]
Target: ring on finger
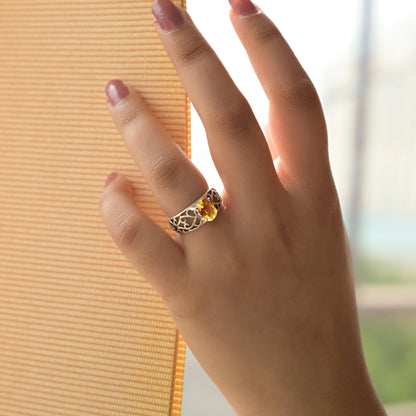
[(203, 210)]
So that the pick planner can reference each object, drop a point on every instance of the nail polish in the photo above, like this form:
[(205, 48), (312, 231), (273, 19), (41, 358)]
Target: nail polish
[(167, 14), (110, 178), (116, 91), (243, 7)]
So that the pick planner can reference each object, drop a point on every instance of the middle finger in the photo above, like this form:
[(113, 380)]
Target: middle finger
[(236, 141)]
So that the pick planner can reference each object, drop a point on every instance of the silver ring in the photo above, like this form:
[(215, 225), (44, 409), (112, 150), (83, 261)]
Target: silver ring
[(203, 210)]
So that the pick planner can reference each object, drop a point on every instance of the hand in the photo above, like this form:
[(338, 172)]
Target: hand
[(264, 294)]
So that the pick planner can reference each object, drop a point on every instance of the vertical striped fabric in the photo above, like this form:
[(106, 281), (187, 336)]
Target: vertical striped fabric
[(81, 332)]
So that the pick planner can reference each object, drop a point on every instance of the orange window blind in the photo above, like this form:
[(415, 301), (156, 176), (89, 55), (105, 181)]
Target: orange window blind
[(81, 332)]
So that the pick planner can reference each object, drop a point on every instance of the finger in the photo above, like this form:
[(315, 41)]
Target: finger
[(237, 144), (173, 178), (296, 120), (272, 146), (146, 246), (276, 159)]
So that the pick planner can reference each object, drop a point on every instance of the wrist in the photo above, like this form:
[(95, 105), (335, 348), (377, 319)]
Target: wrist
[(352, 394)]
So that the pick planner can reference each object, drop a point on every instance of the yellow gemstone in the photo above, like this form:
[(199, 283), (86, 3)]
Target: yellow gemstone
[(207, 209)]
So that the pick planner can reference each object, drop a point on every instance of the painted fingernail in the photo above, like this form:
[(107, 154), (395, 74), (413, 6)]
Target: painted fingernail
[(110, 178), (116, 91), (243, 7), (167, 14)]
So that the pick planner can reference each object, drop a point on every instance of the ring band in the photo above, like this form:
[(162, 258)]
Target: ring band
[(203, 210)]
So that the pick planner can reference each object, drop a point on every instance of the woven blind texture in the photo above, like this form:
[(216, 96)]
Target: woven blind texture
[(81, 332)]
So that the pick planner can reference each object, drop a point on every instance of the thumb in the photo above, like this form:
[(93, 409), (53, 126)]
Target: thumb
[(147, 246)]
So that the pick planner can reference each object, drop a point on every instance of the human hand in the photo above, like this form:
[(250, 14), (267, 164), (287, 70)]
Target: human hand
[(264, 294)]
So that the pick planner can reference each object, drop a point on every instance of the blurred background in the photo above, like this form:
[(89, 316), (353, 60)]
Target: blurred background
[(361, 56)]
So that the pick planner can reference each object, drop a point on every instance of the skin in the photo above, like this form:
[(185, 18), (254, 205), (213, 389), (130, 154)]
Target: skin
[(264, 294)]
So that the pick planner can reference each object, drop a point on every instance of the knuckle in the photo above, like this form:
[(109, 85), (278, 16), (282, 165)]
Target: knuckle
[(300, 93), (235, 119), (165, 170), (193, 51), (130, 116), (269, 32), (127, 233), (124, 229)]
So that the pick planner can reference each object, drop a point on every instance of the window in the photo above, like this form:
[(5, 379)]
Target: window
[(361, 55)]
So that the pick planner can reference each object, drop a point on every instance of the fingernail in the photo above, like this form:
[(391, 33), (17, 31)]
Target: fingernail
[(243, 7), (110, 178), (167, 14), (116, 91)]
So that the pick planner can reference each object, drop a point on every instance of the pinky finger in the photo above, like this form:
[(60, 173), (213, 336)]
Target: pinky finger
[(147, 247)]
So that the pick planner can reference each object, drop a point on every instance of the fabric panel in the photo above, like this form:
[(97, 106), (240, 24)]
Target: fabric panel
[(81, 332)]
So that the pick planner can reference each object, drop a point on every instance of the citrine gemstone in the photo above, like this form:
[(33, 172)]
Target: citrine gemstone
[(207, 209)]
